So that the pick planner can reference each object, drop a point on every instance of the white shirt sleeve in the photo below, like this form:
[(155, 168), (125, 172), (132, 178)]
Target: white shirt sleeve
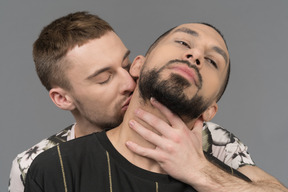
[(15, 183), (22, 162)]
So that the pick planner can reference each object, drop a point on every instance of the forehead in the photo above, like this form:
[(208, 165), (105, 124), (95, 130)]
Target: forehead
[(202, 32), (99, 45), (99, 51)]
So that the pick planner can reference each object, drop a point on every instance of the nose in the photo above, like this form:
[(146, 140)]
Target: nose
[(127, 83), (194, 56)]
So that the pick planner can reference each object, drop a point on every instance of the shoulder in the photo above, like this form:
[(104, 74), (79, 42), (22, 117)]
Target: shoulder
[(23, 160), (64, 162), (225, 146), (219, 134), (45, 158), (67, 152), (45, 167), (26, 157), (78, 145)]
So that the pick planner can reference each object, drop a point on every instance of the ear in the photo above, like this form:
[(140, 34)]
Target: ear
[(210, 112), (136, 66), (61, 98)]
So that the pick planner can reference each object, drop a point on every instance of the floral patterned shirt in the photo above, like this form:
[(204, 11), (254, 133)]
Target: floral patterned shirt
[(216, 140)]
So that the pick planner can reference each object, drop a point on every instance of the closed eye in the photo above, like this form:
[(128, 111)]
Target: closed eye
[(105, 78)]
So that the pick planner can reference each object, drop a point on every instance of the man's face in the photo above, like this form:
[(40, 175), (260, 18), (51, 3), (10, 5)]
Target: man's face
[(186, 70), (101, 84)]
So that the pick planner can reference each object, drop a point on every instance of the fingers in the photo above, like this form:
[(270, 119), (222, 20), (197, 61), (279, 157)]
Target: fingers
[(157, 123), (147, 134), (143, 151), (198, 126), (137, 149), (173, 119)]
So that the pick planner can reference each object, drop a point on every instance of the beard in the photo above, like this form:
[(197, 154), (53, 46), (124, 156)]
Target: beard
[(170, 92)]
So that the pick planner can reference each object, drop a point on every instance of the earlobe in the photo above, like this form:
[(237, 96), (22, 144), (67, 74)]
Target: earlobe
[(136, 66), (61, 98), (210, 112)]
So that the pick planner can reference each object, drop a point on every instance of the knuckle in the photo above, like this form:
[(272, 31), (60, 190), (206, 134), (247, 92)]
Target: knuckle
[(170, 149), (176, 138)]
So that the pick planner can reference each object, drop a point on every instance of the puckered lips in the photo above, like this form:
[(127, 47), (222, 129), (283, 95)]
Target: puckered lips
[(126, 104)]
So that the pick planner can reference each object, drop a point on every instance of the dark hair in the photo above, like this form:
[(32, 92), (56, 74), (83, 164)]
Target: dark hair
[(224, 86), (60, 36), (155, 43)]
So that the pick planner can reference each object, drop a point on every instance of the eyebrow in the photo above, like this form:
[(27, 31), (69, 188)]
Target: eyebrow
[(127, 53), (187, 30), (221, 52), (195, 34)]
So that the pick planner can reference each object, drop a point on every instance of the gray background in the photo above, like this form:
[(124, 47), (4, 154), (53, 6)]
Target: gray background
[(254, 106)]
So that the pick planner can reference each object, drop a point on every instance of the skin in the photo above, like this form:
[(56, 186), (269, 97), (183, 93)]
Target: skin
[(124, 138), (101, 85), (96, 99), (184, 44), (168, 138), (93, 95)]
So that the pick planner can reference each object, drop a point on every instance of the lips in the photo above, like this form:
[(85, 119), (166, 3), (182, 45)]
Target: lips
[(187, 72), (126, 103)]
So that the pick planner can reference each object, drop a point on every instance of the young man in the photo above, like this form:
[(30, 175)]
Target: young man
[(187, 70), (82, 76), (175, 147), (74, 62)]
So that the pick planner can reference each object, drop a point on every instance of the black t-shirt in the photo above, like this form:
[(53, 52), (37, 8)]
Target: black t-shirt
[(91, 163)]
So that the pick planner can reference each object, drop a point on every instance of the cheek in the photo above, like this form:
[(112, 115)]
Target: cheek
[(107, 96), (211, 86), (92, 94)]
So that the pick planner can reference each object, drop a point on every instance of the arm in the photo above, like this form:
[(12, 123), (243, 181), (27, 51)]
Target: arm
[(21, 163), (177, 148), (16, 182), (20, 166), (45, 173), (261, 178)]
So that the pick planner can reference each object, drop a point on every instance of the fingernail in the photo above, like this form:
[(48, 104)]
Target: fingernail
[(131, 123), (153, 100), (128, 143), (137, 111)]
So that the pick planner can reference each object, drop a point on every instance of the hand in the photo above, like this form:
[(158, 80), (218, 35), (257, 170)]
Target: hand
[(178, 149)]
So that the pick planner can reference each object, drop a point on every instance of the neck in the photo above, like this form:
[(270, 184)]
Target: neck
[(123, 133)]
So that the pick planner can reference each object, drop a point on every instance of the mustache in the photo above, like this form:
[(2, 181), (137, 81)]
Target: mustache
[(190, 65)]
